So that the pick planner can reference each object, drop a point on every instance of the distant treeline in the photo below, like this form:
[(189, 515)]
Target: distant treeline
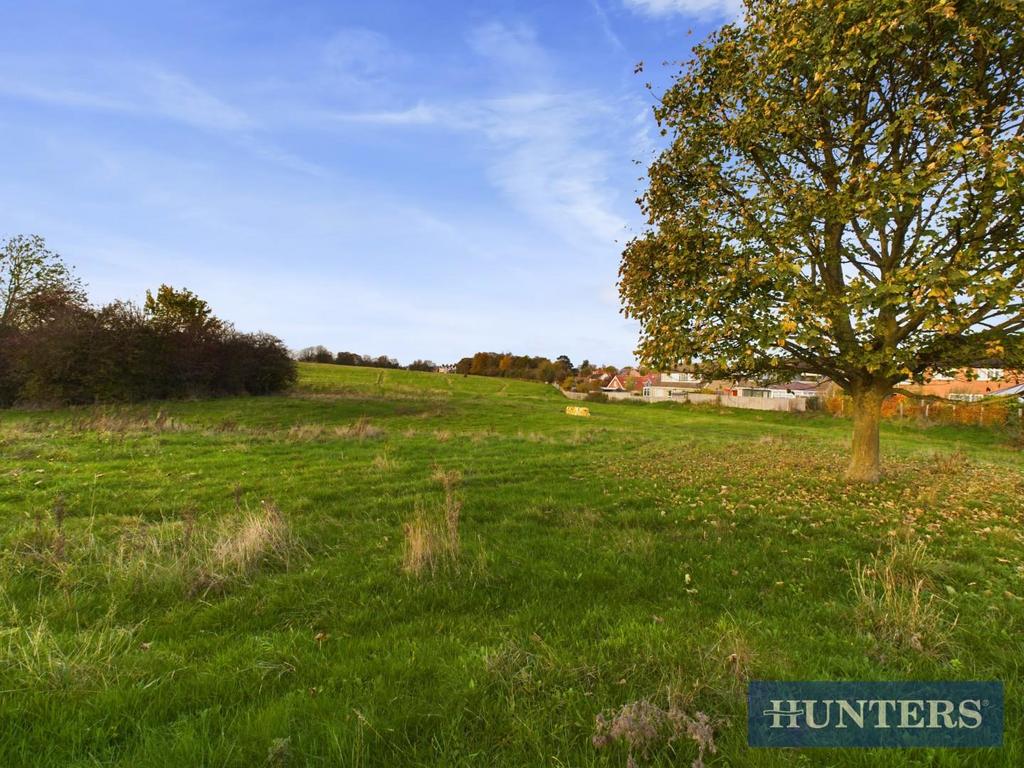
[(321, 354), (516, 366), (57, 348)]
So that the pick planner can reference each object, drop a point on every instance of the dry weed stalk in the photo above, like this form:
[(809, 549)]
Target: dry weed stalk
[(644, 727)]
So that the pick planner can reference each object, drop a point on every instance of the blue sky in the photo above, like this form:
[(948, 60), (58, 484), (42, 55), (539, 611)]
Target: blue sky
[(407, 177)]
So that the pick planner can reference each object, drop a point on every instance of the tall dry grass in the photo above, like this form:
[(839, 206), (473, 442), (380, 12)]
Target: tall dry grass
[(432, 539), (895, 600)]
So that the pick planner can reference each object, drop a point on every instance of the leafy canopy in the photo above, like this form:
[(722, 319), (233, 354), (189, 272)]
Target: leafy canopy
[(842, 193), (181, 311), (32, 277)]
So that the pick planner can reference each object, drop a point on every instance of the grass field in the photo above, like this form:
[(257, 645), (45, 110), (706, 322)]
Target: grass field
[(396, 569)]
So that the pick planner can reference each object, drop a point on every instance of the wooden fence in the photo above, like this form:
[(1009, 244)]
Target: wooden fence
[(990, 413)]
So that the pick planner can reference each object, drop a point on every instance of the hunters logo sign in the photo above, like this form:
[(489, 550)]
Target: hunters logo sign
[(919, 714)]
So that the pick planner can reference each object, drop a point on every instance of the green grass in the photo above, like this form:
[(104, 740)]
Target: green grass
[(662, 553)]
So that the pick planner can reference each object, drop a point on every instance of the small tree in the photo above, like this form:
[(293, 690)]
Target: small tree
[(33, 280), (182, 311), (842, 194), (318, 354)]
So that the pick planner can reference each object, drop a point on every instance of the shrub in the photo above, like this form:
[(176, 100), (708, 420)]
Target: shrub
[(80, 354)]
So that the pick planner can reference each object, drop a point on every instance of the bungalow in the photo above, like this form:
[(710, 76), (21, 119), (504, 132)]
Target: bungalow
[(753, 392), (787, 390), (964, 383), (674, 384), (793, 389), (1017, 390)]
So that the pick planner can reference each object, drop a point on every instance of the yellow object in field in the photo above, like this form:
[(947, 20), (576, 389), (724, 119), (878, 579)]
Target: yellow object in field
[(577, 410)]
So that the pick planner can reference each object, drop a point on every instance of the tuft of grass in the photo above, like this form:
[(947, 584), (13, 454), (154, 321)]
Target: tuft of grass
[(432, 539), (36, 656), (383, 462), (896, 603), (951, 463), (734, 652), (246, 543), (120, 421), (361, 429)]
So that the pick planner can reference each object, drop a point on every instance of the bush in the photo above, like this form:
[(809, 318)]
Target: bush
[(81, 354)]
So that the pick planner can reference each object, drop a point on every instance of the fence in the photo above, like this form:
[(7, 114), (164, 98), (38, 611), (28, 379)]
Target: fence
[(705, 398), (991, 413), (988, 413)]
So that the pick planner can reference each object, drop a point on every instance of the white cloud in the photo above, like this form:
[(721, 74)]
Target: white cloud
[(606, 25), (178, 98), (143, 91), (545, 145), (548, 158), (699, 8), (513, 51), (362, 57), (130, 88), (547, 163), (420, 114)]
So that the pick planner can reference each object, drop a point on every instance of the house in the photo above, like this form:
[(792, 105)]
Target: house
[(791, 389), (965, 384), (1017, 390), (752, 391), (807, 387), (641, 383), (673, 384), (614, 384)]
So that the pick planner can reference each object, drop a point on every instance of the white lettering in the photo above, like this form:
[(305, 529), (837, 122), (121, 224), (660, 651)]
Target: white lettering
[(857, 716), (809, 713), (940, 708), (970, 709), (911, 708), (882, 706)]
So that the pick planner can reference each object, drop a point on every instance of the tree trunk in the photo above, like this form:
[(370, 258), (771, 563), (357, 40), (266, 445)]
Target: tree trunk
[(867, 415)]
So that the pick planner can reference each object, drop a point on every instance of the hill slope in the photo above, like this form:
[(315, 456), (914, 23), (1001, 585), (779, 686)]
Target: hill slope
[(227, 582)]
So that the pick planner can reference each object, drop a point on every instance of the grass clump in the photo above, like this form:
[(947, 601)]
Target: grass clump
[(36, 656), (245, 544), (896, 603), (432, 537)]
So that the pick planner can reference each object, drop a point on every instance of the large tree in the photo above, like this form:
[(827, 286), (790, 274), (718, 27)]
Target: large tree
[(841, 193)]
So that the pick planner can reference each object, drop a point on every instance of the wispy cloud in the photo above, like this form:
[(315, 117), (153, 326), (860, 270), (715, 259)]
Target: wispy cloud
[(695, 8), (546, 142), (361, 57), (606, 25), (420, 114), (551, 159), (148, 92), (129, 88), (178, 98)]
